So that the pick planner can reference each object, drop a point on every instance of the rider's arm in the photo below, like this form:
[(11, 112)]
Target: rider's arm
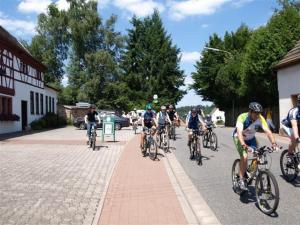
[(86, 119), (187, 119), (168, 118), (201, 121), (267, 130), (239, 130), (295, 128), (156, 119), (98, 118)]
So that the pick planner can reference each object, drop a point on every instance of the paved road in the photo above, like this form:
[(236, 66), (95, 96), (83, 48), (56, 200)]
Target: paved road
[(213, 180), (53, 178)]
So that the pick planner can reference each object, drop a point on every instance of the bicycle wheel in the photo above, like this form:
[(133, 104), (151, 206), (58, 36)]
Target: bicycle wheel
[(94, 143), (198, 150), (192, 155), (289, 171), (213, 141), (235, 177), (267, 192), (205, 140), (174, 133), (152, 149)]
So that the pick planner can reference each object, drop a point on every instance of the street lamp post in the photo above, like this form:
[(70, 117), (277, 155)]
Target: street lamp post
[(231, 55)]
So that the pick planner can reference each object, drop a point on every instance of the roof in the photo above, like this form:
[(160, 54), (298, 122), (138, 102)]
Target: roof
[(8, 40), (53, 88), (291, 58)]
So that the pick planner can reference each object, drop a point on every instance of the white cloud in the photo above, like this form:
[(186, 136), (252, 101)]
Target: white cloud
[(190, 57), (240, 3), (188, 81), (140, 8), (19, 27), (40, 6), (62, 4), (181, 9), (204, 26), (65, 80), (33, 6)]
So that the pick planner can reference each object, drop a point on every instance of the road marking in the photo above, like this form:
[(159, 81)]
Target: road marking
[(194, 206)]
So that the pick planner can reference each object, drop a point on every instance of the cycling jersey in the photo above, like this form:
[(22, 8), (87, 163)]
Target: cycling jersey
[(193, 122), (248, 126), (91, 116), (162, 118), (293, 114), (148, 117), (172, 115)]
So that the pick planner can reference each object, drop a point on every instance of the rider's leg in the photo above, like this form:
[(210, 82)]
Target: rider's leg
[(88, 130), (142, 140), (243, 156), (190, 134)]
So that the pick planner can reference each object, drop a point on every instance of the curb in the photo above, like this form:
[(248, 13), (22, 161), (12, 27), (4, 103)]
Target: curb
[(195, 209)]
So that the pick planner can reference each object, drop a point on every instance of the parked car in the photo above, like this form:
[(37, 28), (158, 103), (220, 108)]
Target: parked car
[(120, 122)]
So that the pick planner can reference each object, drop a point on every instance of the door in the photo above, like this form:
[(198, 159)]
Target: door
[(24, 114)]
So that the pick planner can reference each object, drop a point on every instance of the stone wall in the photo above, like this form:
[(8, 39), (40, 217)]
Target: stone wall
[(71, 112)]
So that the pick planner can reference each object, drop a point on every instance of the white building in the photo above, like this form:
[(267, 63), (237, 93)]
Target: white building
[(288, 78), (23, 95), (217, 115)]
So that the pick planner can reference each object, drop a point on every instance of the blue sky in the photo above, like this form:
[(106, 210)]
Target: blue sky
[(189, 22)]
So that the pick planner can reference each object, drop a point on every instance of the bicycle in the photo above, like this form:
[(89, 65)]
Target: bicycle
[(150, 144), (163, 138), (135, 126), (172, 134), (210, 138), (290, 165), (264, 180), (195, 147), (92, 138)]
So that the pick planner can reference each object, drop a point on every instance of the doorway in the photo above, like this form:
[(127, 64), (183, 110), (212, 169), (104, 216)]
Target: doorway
[(24, 114)]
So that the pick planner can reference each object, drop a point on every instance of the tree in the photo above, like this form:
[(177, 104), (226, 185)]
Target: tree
[(267, 46), (51, 44), (217, 77), (151, 63)]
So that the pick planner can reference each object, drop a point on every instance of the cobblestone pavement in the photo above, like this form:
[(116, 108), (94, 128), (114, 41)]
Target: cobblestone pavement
[(54, 183)]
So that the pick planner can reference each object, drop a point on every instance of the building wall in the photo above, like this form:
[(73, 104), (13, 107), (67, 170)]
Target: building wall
[(216, 114), (288, 85), (23, 94)]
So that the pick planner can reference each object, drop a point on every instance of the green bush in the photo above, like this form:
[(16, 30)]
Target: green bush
[(220, 122), (50, 120)]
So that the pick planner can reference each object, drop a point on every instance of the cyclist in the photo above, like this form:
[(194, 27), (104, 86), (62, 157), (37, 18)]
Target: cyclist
[(173, 114), (162, 119), (291, 126), (244, 136), (148, 121), (193, 122), (91, 120), (134, 116)]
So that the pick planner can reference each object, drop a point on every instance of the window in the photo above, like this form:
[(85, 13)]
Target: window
[(53, 109), (37, 103), (46, 104), (50, 110), (5, 105), (23, 68), (42, 104), (38, 75), (32, 103)]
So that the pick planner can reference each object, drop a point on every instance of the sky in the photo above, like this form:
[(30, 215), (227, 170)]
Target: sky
[(189, 22)]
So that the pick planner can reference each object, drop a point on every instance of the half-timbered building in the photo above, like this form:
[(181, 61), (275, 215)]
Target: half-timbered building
[(24, 96)]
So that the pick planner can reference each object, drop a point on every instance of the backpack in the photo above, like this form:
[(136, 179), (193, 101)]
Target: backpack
[(286, 121)]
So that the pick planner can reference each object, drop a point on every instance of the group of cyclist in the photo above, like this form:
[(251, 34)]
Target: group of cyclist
[(157, 121), (243, 135)]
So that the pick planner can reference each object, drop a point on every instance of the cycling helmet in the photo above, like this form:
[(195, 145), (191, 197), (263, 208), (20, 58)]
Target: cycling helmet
[(171, 107), (298, 99), (92, 106), (134, 109), (255, 107), (163, 107), (149, 107), (194, 110)]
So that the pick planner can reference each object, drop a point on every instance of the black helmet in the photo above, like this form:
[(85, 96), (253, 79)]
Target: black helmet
[(255, 107)]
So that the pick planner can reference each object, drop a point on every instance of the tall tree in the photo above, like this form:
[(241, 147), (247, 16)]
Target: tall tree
[(151, 62)]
